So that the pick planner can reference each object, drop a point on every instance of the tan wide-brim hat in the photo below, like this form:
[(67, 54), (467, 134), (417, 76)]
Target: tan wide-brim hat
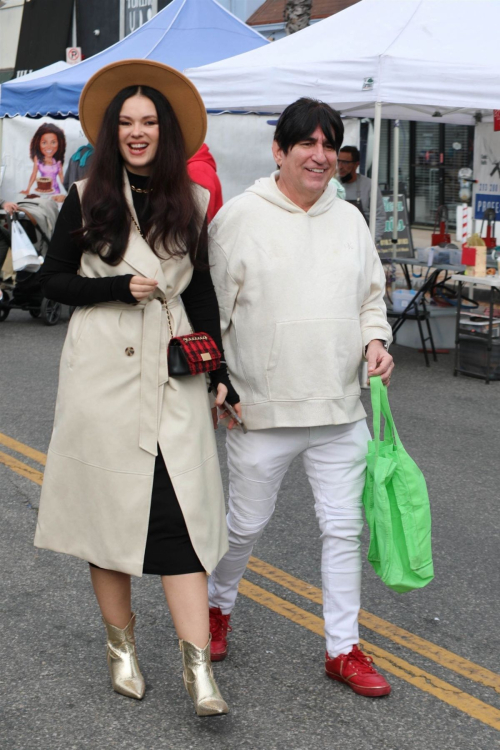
[(101, 89)]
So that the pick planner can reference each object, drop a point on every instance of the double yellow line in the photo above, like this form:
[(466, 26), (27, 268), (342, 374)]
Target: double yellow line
[(421, 679)]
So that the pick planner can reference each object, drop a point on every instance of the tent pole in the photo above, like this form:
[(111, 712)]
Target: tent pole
[(395, 188), (373, 207), (375, 160)]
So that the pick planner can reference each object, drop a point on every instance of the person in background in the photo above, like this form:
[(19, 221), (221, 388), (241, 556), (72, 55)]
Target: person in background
[(78, 166), (203, 170), (9, 206), (301, 296), (358, 187)]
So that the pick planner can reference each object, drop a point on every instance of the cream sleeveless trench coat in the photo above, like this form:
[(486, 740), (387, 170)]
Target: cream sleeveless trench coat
[(115, 405)]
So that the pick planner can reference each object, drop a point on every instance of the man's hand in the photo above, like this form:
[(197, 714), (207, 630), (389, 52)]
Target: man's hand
[(380, 361)]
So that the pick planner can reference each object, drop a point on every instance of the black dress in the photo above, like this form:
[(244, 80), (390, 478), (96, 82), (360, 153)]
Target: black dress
[(168, 548)]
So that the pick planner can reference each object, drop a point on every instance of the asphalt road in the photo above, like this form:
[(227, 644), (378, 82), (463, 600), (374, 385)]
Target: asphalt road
[(56, 693)]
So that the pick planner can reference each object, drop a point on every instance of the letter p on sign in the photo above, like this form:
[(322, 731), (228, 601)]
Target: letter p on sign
[(73, 55)]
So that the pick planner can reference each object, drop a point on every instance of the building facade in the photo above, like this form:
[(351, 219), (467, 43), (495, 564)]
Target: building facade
[(93, 25)]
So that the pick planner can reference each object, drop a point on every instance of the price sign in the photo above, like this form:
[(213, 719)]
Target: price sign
[(404, 245)]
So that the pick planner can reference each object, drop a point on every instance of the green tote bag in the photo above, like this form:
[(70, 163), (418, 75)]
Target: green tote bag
[(396, 505)]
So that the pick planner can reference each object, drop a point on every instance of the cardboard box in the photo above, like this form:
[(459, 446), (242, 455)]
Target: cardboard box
[(475, 260)]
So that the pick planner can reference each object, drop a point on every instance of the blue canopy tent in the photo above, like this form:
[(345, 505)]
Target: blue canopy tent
[(186, 34)]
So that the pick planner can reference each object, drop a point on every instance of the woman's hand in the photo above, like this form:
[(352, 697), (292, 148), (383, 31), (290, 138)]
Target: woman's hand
[(380, 361), (223, 414), (140, 288)]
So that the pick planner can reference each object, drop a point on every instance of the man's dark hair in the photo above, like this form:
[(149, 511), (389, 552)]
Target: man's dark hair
[(300, 119), (351, 150)]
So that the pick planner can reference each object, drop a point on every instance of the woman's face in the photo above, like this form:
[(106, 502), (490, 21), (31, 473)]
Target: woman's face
[(138, 134), (49, 145)]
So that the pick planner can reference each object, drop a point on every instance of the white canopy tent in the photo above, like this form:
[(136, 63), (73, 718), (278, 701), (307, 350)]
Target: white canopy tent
[(400, 59)]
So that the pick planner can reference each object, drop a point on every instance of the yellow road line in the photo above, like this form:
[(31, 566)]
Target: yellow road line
[(418, 677), (423, 680), (23, 469), (430, 650), (23, 449)]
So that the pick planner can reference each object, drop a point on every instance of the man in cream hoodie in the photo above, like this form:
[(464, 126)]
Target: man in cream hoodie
[(300, 289)]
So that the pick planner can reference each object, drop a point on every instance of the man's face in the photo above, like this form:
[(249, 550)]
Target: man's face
[(346, 165), (308, 166)]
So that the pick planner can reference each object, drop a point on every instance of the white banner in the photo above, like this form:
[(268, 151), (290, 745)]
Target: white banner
[(240, 145), (35, 154)]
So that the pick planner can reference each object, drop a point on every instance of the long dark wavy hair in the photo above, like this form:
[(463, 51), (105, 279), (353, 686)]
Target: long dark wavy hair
[(174, 218), (35, 149)]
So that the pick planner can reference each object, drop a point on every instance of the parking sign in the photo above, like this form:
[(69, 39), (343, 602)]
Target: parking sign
[(73, 55)]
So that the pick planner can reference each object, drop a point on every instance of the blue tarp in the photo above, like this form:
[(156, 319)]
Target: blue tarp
[(186, 34)]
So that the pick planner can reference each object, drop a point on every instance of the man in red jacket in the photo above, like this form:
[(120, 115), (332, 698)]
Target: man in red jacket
[(203, 170)]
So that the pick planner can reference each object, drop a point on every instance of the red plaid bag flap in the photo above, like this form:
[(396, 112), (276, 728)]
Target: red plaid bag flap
[(201, 351)]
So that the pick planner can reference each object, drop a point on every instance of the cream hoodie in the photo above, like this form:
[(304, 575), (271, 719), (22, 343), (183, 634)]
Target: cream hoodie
[(300, 296)]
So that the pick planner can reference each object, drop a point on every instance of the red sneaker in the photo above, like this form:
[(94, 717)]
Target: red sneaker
[(357, 670), (219, 627)]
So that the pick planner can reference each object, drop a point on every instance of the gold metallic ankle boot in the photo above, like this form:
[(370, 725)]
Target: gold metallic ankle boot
[(199, 680), (126, 676)]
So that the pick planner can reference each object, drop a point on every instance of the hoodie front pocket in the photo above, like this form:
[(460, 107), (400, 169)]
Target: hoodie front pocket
[(314, 359)]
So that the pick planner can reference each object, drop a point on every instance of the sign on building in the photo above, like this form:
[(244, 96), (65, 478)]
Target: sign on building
[(135, 13), (486, 191)]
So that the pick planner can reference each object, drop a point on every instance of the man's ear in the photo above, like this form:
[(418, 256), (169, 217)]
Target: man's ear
[(277, 153)]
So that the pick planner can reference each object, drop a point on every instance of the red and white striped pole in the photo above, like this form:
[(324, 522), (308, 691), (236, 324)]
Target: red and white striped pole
[(465, 223)]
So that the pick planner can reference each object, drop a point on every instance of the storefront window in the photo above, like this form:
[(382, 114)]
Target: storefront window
[(428, 172), (386, 165), (430, 156), (458, 153)]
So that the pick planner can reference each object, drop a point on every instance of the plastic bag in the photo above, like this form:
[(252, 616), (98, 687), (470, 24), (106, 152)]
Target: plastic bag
[(24, 254)]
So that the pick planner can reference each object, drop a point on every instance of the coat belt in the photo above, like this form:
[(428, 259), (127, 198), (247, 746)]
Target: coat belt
[(154, 366)]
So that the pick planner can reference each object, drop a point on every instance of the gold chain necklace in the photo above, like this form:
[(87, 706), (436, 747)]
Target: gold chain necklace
[(141, 190)]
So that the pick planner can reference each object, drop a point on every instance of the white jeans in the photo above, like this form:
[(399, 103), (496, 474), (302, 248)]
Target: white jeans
[(334, 460)]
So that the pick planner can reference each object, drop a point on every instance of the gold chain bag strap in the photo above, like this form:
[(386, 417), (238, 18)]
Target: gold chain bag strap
[(192, 354)]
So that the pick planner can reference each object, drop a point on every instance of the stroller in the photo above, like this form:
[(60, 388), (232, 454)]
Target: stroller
[(22, 291)]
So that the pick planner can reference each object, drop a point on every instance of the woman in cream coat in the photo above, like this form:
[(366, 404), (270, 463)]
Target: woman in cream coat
[(130, 241)]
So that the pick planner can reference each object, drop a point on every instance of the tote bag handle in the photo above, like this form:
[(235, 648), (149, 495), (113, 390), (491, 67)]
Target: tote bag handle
[(380, 406)]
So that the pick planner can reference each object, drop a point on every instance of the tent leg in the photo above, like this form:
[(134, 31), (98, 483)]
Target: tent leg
[(395, 190), (375, 161)]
